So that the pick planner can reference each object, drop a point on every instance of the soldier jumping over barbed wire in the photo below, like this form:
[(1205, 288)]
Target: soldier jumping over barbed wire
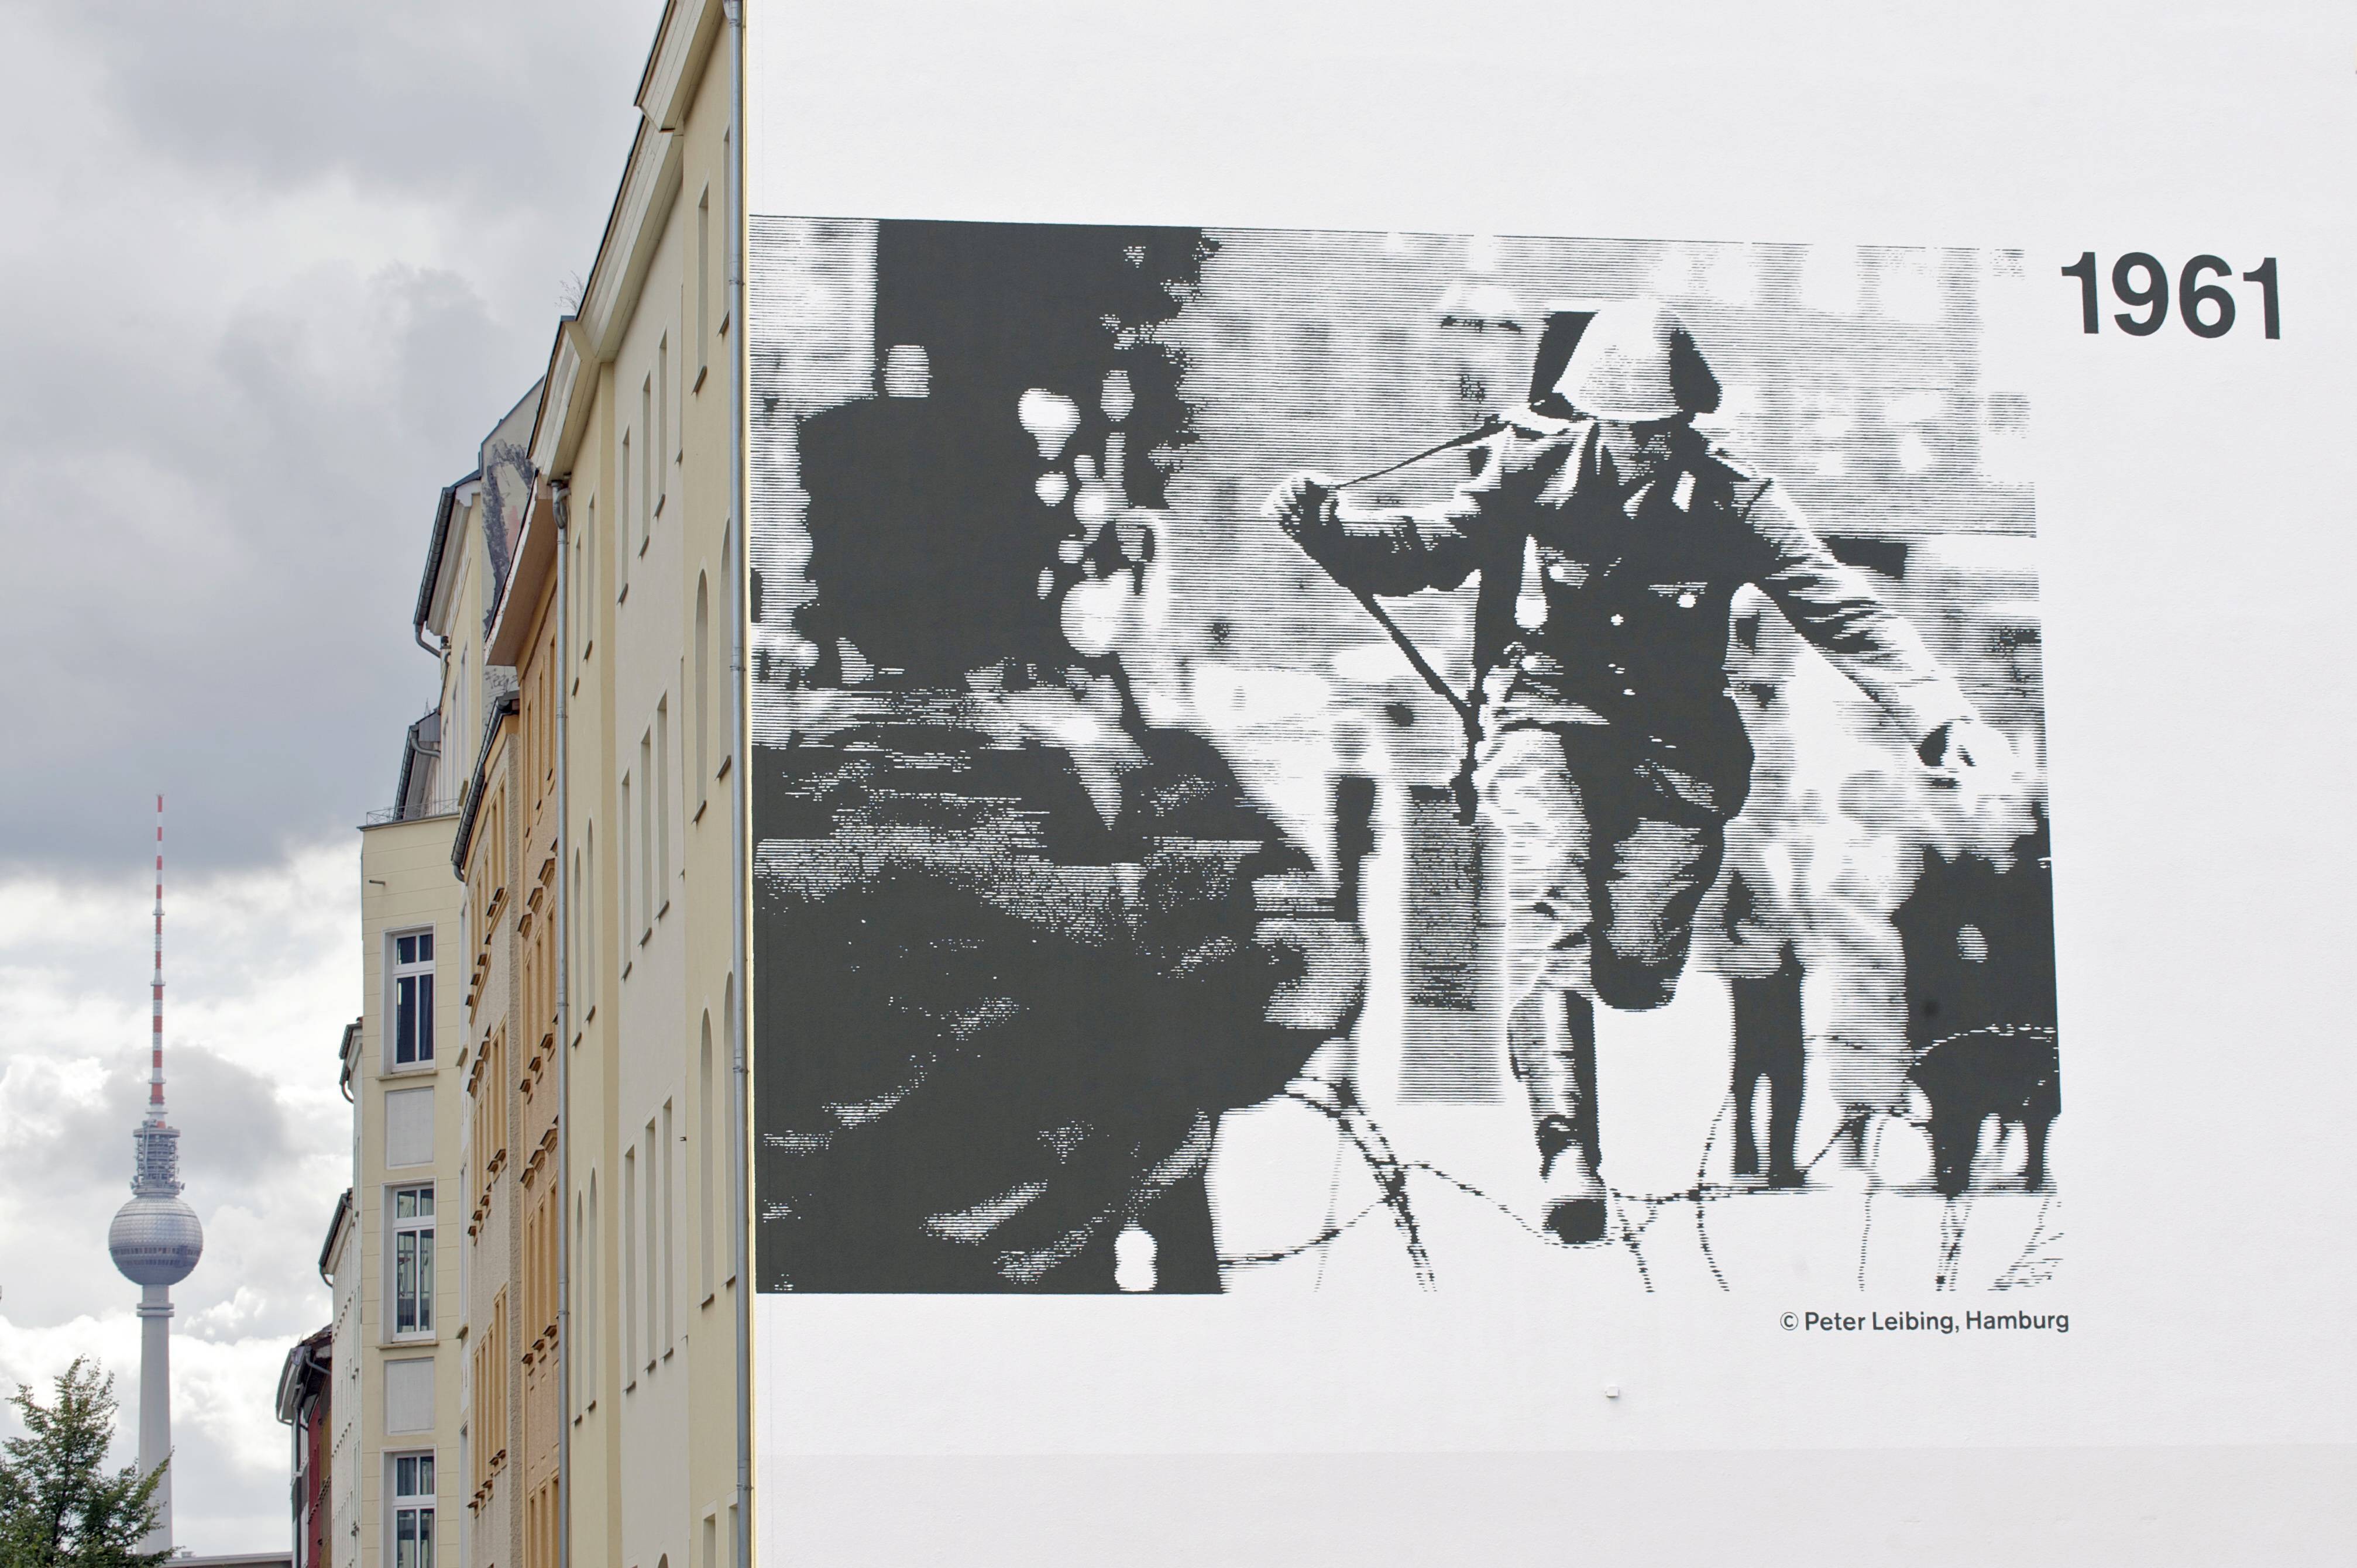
[(1610, 536)]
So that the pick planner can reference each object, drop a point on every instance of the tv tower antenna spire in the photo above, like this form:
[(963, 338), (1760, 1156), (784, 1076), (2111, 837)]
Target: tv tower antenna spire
[(155, 1055)]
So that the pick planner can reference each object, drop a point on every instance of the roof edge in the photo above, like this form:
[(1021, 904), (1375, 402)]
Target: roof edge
[(437, 548)]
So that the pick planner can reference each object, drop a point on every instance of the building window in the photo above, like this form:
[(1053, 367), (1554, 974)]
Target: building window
[(670, 1235), (733, 1113), (588, 548), (702, 282), (703, 689), (589, 920), (584, 1330), (413, 1511), (646, 835), (591, 1299), (662, 805), (626, 876), (630, 1265), (705, 1133), (654, 1194), (413, 999), (487, 1426), (413, 1260), (459, 732)]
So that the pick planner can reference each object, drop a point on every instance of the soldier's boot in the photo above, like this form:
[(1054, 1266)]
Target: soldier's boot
[(1552, 1035)]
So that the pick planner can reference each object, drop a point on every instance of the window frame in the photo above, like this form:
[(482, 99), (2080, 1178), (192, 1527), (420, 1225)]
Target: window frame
[(412, 1502), (648, 495), (396, 971), (622, 529), (662, 889), (397, 1227), (703, 287)]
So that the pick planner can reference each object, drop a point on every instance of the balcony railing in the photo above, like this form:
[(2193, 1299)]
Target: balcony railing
[(440, 808)]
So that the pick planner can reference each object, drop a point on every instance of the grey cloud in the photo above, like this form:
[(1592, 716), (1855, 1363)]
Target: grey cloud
[(251, 656), (264, 1186), (496, 102), (235, 1144), (218, 469)]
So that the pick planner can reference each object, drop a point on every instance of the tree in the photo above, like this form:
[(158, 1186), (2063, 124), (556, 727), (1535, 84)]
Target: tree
[(60, 1508)]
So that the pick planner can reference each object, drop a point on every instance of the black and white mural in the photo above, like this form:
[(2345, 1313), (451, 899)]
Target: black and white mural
[(1297, 762)]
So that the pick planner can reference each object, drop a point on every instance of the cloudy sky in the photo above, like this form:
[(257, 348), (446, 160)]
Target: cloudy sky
[(271, 269)]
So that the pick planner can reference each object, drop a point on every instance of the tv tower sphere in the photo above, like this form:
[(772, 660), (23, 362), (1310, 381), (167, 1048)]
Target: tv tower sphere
[(156, 1240)]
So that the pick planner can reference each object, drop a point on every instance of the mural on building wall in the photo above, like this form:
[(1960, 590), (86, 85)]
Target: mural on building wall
[(1314, 761), (504, 465)]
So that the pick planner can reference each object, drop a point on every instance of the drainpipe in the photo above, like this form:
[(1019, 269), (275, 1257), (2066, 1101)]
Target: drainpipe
[(561, 495), (740, 865)]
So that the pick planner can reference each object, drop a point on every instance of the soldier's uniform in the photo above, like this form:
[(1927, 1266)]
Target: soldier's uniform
[(1610, 755), (1608, 720)]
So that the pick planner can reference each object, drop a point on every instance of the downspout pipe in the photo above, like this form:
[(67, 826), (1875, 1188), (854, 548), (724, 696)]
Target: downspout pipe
[(561, 495), (740, 865)]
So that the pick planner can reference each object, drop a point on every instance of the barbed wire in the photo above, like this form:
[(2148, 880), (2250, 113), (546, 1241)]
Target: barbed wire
[(1356, 1130)]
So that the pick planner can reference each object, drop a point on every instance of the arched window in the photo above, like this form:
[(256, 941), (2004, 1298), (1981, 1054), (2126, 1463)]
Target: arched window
[(590, 919), (703, 688), (591, 1297), (734, 1124), (706, 1133)]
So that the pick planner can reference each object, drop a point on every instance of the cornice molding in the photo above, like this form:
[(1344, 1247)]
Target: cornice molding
[(558, 426), (651, 182), (675, 65)]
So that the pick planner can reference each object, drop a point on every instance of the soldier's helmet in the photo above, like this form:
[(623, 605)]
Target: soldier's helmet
[(1636, 362)]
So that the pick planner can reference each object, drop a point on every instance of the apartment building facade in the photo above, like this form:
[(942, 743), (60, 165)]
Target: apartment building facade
[(509, 852), (637, 442), (306, 1407), (537, 1323), (338, 1265), (489, 858), (398, 1254), (395, 1351)]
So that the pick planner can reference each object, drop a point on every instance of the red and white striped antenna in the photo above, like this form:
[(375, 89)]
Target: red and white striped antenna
[(155, 1062)]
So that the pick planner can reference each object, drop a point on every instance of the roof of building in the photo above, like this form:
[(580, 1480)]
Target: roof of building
[(423, 738), (342, 1216), (304, 1368), (437, 548), (463, 840)]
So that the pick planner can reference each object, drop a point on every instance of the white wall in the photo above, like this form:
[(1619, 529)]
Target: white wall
[(2201, 1408)]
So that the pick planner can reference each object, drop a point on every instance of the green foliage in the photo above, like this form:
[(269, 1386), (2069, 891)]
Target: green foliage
[(59, 1506)]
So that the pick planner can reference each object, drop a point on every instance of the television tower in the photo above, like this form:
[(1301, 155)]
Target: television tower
[(156, 1242)]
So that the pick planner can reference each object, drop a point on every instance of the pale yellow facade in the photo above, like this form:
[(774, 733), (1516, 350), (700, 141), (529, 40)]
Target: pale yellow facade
[(402, 1325), (340, 1266), (570, 838), (394, 1408), (639, 430)]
